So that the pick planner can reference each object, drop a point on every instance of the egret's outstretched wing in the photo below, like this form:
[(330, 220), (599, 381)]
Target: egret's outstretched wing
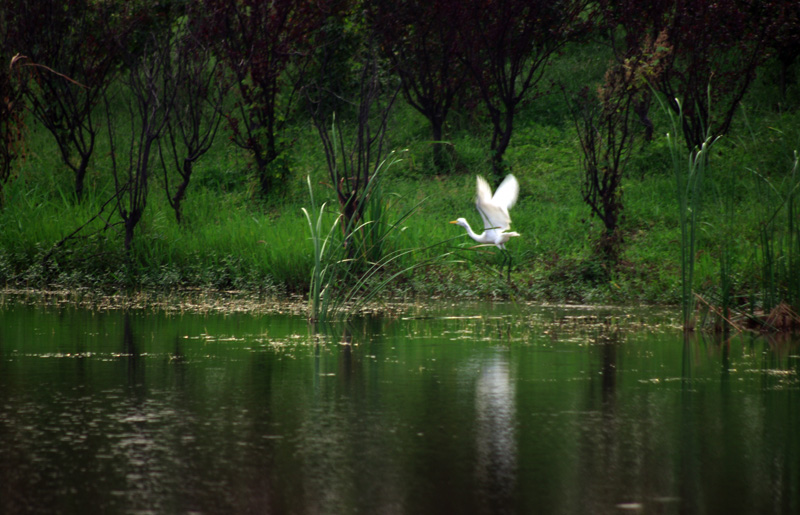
[(483, 203), (507, 193), (494, 209)]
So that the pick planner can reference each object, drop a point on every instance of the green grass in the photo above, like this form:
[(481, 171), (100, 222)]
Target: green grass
[(233, 240)]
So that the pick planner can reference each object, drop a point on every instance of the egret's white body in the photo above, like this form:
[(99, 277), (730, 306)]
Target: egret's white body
[(494, 212)]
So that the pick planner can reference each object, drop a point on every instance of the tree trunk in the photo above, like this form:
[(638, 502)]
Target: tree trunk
[(80, 173), (180, 193), (500, 142), (264, 159), (130, 226), (439, 161)]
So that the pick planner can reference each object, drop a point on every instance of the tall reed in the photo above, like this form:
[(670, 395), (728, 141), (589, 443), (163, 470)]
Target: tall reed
[(689, 169)]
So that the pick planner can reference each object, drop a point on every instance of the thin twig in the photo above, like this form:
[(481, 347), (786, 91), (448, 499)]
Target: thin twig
[(718, 311), (19, 57)]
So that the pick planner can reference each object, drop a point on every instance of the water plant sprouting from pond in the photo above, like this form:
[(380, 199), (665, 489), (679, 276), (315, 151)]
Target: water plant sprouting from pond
[(318, 293), (689, 169)]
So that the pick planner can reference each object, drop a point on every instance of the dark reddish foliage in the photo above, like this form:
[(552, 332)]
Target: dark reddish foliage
[(68, 50), (505, 45), (715, 50), (259, 41), (419, 39)]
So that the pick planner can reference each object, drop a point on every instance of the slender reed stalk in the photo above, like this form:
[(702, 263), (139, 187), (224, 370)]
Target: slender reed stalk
[(689, 168)]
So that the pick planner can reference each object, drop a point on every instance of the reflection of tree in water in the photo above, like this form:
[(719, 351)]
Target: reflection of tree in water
[(130, 354), (182, 435), (339, 433), (751, 453), (768, 425), (673, 446), (616, 466), (782, 420), (688, 457), (496, 438), (136, 445), (601, 445)]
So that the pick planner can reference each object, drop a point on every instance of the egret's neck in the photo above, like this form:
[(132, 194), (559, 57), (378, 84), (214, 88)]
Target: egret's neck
[(471, 233)]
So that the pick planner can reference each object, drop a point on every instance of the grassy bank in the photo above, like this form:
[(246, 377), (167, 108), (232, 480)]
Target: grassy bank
[(232, 239)]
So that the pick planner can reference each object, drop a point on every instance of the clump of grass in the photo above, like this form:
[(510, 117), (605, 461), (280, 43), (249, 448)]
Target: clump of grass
[(354, 262), (320, 292), (779, 239)]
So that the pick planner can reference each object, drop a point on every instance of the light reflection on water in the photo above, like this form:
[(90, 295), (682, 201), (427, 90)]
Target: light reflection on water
[(495, 435), (522, 410)]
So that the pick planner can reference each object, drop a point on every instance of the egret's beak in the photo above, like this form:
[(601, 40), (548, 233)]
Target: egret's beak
[(454, 222)]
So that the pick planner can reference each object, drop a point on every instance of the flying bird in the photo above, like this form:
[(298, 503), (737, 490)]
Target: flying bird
[(494, 212)]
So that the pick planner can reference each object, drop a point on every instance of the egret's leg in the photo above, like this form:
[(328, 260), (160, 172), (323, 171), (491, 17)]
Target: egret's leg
[(505, 256), (507, 260), (502, 263)]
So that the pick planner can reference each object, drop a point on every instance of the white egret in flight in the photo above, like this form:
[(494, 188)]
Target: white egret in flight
[(494, 212)]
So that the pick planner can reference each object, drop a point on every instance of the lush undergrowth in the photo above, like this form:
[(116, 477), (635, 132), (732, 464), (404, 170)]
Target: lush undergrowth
[(232, 239)]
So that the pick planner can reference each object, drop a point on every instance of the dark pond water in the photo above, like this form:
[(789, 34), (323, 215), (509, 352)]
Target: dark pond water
[(466, 409)]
